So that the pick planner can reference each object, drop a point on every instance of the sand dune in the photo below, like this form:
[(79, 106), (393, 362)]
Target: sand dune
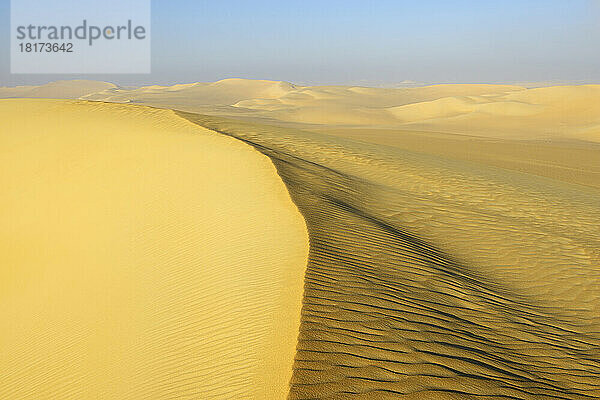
[(142, 257), (436, 279), (225, 92), (56, 90), (567, 161), (540, 131), (495, 111), (454, 245)]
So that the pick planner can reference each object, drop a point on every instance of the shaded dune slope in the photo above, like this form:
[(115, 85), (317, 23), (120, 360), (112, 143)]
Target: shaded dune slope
[(394, 310)]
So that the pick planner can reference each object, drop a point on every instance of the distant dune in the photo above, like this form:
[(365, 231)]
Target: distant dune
[(497, 111), (143, 257), (56, 90), (225, 92)]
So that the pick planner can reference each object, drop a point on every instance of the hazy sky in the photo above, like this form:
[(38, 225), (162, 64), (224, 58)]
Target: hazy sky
[(361, 42)]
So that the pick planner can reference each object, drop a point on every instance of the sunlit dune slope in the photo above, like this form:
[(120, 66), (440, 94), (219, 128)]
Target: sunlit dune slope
[(142, 257), (436, 278)]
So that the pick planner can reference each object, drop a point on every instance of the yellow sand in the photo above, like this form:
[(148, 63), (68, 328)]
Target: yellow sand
[(56, 90), (552, 132), (437, 278), (142, 257), (567, 161), (455, 245), (498, 111)]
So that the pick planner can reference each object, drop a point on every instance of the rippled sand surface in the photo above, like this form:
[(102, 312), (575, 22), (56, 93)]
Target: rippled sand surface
[(437, 242), (432, 278)]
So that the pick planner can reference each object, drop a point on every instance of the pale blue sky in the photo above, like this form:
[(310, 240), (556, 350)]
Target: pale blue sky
[(361, 42)]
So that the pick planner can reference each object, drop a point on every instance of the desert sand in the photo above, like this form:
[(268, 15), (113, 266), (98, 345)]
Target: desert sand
[(56, 90), (142, 257), (433, 278), (496, 111), (453, 242)]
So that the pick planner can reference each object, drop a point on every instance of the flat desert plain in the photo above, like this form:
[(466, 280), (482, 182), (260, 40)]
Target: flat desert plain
[(264, 240)]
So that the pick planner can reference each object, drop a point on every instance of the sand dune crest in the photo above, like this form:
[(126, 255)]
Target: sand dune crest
[(142, 257)]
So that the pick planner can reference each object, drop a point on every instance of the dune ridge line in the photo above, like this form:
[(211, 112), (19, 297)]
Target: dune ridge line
[(142, 257)]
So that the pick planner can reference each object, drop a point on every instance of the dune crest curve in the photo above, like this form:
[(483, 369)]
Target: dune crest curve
[(142, 257)]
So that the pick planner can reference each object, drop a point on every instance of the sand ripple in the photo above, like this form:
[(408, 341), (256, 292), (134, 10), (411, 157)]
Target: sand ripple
[(433, 280)]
